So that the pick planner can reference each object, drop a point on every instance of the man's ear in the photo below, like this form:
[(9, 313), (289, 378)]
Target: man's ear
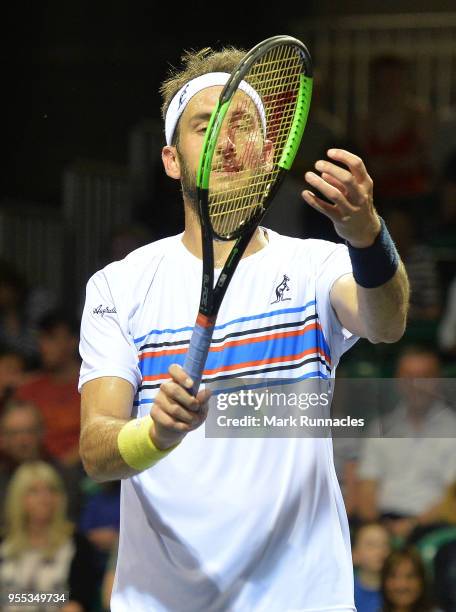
[(171, 162)]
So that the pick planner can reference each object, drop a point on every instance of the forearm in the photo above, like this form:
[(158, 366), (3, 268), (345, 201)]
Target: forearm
[(100, 452), (383, 310), (113, 446)]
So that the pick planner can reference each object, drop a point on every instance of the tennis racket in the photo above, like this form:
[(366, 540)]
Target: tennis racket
[(251, 141)]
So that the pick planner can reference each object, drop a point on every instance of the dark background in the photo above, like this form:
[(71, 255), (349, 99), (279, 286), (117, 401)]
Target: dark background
[(76, 76)]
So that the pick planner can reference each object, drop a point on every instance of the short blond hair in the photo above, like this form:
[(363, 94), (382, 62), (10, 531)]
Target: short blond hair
[(195, 64)]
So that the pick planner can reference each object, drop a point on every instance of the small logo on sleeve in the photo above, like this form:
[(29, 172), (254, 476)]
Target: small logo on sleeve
[(102, 310), (281, 289)]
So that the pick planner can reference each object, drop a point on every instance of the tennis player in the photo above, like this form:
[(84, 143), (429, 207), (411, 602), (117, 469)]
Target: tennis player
[(230, 524)]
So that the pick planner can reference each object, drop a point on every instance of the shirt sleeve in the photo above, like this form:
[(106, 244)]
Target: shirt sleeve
[(106, 345), (335, 262)]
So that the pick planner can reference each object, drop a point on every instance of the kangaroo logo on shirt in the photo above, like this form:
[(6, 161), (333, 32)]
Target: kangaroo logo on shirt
[(280, 290)]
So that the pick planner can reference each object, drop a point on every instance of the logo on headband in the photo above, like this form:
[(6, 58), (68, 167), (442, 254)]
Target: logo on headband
[(182, 96)]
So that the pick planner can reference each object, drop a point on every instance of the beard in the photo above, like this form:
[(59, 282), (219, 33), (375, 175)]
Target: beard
[(188, 183), (242, 188)]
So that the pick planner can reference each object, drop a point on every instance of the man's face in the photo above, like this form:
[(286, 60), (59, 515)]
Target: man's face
[(241, 149), (21, 435)]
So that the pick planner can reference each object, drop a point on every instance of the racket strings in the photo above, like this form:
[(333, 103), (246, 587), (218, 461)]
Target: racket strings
[(252, 139)]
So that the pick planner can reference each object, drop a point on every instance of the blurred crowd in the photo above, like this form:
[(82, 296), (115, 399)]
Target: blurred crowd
[(59, 529)]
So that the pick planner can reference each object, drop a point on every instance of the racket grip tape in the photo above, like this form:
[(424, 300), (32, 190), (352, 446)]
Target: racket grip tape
[(198, 350)]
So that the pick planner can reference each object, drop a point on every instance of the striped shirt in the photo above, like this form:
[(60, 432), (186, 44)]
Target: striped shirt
[(196, 528)]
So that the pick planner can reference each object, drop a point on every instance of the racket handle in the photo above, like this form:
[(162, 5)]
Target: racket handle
[(198, 350)]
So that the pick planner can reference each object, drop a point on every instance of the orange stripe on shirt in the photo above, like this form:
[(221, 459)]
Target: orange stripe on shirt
[(251, 363), (249, 340)]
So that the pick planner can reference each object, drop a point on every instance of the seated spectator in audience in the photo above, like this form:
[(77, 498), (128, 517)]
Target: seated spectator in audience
[(12, 372), (371, 546), (404, 586), (21, 440), (403, 479), (100, 519), (41, 552), (420, 264), (395, 135), (54, 388)]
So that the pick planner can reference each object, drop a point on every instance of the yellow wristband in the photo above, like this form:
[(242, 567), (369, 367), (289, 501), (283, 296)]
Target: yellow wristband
[(136, 447)]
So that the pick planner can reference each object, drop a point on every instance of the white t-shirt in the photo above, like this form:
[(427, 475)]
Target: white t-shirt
[(413, 469), (226, 524)]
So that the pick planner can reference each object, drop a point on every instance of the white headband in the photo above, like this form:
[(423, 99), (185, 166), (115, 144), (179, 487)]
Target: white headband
[(186, 93)]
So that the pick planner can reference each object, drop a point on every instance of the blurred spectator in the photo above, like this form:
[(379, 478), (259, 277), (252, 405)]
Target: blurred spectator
[(40, 551), (21, 440), (420, 264), (371, 546), (447, 327), (54, 388), (12, 367), (404, 478), (100, 520), (404, 586), (395, 136)]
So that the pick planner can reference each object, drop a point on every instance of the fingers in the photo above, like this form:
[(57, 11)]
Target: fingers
[(175, 409), (348, 188), (342, 207), (355, 164), (342, 176), (334, 182), (320, 205), (180, 376)]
